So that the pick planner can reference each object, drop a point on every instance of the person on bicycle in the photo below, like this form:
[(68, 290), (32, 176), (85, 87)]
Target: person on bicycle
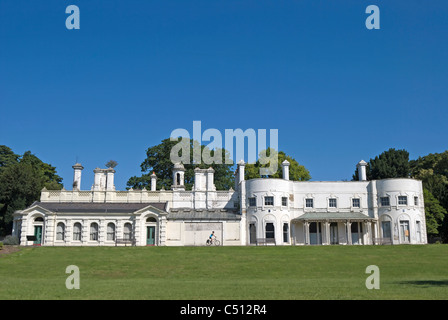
[(212, 235)]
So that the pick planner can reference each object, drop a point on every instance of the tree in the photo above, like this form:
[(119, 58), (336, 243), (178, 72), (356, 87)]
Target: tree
[(21, 180), (389, 164), (434, 213), (158, 161), (297, 172), (7, 157), (432, 169)]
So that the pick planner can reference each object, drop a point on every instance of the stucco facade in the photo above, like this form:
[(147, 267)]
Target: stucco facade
[(258, 211)]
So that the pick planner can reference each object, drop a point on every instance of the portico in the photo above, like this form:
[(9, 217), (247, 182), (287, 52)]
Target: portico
[(333, 228)]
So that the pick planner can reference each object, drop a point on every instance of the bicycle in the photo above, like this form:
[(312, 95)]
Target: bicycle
[(213, 241)]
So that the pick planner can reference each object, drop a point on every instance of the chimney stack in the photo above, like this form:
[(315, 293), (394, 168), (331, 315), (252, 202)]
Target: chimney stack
[(362, 174), (153, 181), (77, 176), (285, 169)]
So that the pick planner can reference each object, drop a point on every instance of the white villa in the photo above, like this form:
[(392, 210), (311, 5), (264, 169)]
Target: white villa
[(258, 211)]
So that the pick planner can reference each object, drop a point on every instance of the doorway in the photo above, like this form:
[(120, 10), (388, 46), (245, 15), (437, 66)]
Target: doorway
[(404, 230), (150, 235), (37, 235), (334, 233), (252, 233)]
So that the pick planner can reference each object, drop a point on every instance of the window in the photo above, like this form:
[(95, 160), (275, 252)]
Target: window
[(385, 201), (94, 231), (332, 203), (77, 231), (269, 231), (252, 202), (127, 233), (415, 201), (111, 231), (309, 203), (268, 201), (402, 200), (284, 201), (285, 232), (356, 203), (60, 231)]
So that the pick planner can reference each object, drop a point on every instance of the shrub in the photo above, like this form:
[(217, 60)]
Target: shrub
[(11, 240), (1, 245)]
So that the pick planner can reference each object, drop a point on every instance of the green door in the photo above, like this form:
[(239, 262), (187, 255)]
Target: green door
[(38, 234), (150, 235)]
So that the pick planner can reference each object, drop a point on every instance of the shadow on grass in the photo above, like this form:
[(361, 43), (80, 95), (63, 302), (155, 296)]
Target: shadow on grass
[(427, 283)]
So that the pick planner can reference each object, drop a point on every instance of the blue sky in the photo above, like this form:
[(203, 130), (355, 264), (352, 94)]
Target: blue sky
[(136, 70)]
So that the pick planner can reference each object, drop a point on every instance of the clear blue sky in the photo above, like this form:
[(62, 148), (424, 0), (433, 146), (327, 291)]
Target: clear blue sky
[(136, 70)]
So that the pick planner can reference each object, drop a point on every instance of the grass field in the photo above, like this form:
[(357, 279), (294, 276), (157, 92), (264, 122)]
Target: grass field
[(311, 272)]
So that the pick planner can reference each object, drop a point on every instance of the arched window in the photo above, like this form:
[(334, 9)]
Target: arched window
[(39, 219), (110, 231), (60, 231), (77, 235), (151, 219), (94, 231), (127, 232)]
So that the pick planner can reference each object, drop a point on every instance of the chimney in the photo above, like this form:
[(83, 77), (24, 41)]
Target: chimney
[(362, 174), (285, 169), (210, 178), (77, 176), (241, 165), (153, 181), (110, 179), (97, 179)]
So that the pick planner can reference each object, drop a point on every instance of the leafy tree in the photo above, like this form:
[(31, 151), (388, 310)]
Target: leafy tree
[(158, 161), (434, 212), (389, 164), (432, 169), (297, 172), (21, 180), (7, 157)]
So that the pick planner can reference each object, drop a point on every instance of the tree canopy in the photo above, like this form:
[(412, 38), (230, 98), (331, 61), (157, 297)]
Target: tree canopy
[(21, 180), (158, 161), (297, 172), (389, 164)]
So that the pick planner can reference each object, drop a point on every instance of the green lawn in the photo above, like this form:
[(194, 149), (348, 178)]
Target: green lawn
[(312, 272)]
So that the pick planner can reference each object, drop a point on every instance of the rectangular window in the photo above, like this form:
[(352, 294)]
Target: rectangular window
[(268, 201), (332, 203), (252, 202), (415, 201), (385, 201), (402, 200), (284, 201), (309, 203), (356, 203)]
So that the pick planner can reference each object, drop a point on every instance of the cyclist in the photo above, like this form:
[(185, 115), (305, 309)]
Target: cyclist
[(212, 235)]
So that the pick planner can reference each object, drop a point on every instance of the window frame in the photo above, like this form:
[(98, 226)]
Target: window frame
[(312, 202), (330, 200), (266, 200), (400, 199), (254, 199), (384, 198)]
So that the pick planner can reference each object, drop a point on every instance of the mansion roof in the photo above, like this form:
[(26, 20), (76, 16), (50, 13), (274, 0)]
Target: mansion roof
[(92, 207)]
